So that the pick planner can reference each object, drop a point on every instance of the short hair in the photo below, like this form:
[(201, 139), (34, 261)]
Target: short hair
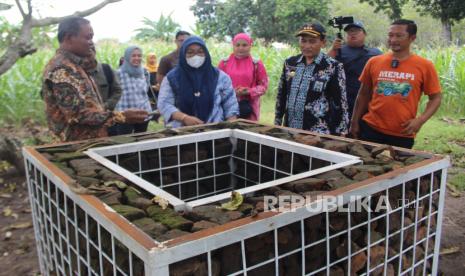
[(70, 26), (180, 33), (411, 25)]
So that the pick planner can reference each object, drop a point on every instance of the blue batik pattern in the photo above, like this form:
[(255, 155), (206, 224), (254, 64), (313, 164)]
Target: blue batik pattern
[(298, 94)]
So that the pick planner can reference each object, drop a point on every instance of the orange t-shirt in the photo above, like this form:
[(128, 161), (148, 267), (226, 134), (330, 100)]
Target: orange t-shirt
[(397, 91)]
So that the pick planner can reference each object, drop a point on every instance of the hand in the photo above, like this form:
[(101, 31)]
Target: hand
[(412, 126), (134, 116), (355, 129), (337, 44), (238, 91), (191, 121), (156, 87)]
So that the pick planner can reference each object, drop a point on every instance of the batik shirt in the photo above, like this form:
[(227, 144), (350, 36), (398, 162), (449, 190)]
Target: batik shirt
[(313, 96), (74, 108)]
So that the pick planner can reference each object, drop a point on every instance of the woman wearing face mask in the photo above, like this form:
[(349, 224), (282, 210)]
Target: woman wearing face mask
[(195, 92), (248, 76), (134, 84)]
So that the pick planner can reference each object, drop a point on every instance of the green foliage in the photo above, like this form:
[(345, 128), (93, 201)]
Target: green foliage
[(223, 18), (205, 10), (265, 23), (267, 19), (7, 31), (292, 14), (445, 10), (392, 8), (5, 6), (163, 29), (449, 64), (429, 28), (42, 37), (20, 89)]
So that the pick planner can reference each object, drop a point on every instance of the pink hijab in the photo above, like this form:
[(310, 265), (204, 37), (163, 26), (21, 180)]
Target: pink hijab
[(241, 70), (243, 36)]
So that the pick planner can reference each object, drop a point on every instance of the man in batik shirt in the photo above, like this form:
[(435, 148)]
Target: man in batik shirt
[(74, 108), (312, 90)]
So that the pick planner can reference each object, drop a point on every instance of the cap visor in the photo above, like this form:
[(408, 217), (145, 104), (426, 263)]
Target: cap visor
[(306, 33)]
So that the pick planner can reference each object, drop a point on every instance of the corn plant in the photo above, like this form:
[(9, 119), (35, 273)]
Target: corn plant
[(19, 87)]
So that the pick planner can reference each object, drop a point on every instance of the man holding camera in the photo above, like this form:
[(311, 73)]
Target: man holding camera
[(354, 54), (392, 85)]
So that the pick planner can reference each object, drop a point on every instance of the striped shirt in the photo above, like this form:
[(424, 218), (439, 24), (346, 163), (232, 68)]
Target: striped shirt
[(134, 93)]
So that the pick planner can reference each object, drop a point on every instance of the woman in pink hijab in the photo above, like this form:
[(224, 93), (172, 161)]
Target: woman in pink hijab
[(248, 76)]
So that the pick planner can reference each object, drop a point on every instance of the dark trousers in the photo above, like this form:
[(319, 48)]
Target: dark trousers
[(112, 131), (367, 133), (122, 129)]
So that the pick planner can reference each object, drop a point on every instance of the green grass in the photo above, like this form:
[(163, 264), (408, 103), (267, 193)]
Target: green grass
[(446, 136)]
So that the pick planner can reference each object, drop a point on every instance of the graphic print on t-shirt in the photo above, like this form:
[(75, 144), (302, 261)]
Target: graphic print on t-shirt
[(389, 88)]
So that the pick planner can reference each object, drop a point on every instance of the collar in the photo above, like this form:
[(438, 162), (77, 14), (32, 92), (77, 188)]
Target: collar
[(73, 57), (316, 60), (93, 71)]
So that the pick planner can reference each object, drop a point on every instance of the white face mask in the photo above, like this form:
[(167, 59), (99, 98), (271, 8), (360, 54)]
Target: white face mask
[(195, 61)]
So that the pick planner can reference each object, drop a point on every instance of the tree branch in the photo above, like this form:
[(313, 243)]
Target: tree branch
[(21, 10), (54, 20), (29, 8), (23, 42)]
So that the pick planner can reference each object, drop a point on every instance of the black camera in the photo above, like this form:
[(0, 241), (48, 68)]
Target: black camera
[(339, 21)]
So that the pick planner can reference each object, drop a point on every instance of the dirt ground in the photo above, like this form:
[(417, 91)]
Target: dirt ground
[(18, 253)]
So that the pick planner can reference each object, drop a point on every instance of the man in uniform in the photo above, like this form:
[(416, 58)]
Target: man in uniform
[(312, 92)]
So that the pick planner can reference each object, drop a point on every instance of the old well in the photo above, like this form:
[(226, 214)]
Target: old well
[(97, 211)]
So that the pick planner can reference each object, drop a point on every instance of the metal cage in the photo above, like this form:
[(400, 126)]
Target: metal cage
[(222, 157), (80, 235)]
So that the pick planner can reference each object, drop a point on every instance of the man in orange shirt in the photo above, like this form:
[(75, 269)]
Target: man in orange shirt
[(392, 84)]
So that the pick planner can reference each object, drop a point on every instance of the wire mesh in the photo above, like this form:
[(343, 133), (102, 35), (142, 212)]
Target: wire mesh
[(69, 240), (199, 166), (403, 239), (397, 240)]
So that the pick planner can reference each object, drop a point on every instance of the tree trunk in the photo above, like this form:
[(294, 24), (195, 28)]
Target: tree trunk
[(23, 44), (446, 31), (10, 151)]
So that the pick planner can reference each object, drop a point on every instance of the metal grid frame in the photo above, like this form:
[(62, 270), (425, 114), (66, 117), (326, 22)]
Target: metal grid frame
[(54, 256), (195, 248), (71, 235), (110, 157)]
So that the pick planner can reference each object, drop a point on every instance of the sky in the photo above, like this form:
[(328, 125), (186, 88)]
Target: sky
[(116, 20)]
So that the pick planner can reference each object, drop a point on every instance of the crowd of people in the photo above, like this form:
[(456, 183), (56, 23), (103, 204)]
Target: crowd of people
[(352, 90)]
